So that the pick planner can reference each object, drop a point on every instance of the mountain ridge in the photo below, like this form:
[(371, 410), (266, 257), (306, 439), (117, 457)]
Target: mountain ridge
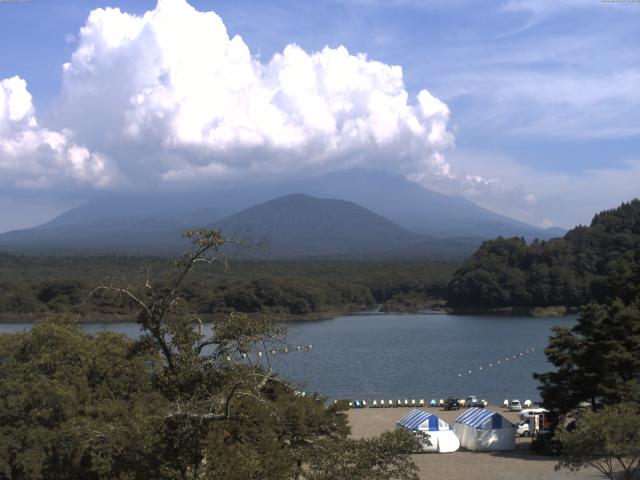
[(152, 223), (300, 224)]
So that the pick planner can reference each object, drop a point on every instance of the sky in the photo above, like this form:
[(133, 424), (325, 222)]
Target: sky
[(526, 107)]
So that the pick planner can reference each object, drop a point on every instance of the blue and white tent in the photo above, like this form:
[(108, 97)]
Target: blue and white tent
[(481, 429), (441, 436)]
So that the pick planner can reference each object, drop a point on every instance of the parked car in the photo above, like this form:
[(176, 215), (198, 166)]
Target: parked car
[(473, 401), (451, 403), (515, 406)]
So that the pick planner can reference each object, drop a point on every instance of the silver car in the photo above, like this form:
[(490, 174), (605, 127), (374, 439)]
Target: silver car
[(515, 406)]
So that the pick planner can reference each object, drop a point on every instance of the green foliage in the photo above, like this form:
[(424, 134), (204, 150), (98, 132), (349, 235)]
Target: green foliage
[(75, 406), (31, 286), (599, 262), (598, 360), (182, 402), (378, 458), (608, 440)]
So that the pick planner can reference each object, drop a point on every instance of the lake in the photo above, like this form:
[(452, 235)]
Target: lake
[(426, 356)]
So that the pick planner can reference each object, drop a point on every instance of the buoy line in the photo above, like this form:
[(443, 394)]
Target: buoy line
[(501, 361), (276, 351)]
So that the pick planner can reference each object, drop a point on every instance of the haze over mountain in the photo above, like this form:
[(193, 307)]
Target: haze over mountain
[(301, 225), (417, 209), (362, 212)]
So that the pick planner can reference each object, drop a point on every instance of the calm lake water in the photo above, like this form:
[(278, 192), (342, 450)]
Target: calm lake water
[(409, 356)]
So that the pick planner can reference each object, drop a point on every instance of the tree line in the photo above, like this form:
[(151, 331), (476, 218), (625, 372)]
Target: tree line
[(590, 263), (35, 286)]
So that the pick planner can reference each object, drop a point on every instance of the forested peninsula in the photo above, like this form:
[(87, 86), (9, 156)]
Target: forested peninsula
[(590, 263), (32, 287)]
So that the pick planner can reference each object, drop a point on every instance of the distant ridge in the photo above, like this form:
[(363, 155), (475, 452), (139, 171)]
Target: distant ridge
[(395, 216), (302, 225), (131, 236), (420, 210)]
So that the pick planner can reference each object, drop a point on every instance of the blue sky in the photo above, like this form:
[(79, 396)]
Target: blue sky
[(543, 95)]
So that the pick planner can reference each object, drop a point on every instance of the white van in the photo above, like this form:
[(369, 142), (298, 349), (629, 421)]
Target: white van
[(532, 412), (531, 421)]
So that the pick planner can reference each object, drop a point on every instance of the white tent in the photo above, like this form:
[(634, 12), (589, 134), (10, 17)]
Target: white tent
[(441, 436), (481, 429)]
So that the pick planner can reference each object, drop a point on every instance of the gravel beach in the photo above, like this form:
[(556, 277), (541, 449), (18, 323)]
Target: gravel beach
[(522, 463)]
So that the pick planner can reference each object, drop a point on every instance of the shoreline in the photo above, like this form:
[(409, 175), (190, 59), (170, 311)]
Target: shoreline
[(532, 311), (94, 317)]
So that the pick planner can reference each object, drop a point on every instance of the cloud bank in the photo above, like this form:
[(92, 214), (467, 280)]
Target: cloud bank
[(170, 98), (32, 157)]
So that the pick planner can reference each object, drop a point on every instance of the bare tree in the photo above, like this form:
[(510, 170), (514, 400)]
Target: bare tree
[(206, 371)]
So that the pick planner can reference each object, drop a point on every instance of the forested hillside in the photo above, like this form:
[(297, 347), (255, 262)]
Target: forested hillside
[(594, 263)]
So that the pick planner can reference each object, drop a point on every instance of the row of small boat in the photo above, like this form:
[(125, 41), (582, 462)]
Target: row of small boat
[(397, 403), (418, 403)]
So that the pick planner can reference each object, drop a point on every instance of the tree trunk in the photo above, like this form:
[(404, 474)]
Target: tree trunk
[(298, 473)]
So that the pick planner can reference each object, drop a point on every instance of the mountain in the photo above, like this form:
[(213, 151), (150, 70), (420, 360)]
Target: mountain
[(292, 226), (181, 208), (127, 224), (151, 236), (554, 232), (301, 225), (403, 202), (151, 223), (420, 210)]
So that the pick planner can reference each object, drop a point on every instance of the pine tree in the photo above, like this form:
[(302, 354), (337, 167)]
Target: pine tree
[(598, 360)]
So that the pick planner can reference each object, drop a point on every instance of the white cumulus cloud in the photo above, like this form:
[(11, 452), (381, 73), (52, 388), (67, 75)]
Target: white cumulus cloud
[(172, 98), (32, 157)]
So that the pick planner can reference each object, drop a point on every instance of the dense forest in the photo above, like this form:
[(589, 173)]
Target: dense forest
[(594, 263), (34, 286)]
